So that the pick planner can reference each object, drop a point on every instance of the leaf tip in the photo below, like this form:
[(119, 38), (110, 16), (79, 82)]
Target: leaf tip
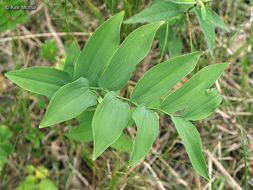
[(121, 12), (160, 23), (225, 65), (95, 156), (6, 74), (41, 126), (206, 176), (131, 162)]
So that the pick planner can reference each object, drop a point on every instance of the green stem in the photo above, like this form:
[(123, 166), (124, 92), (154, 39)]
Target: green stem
[(128, 100), (97, 88), (119, 97), (165, 41), (190, 33), (162, 111), (133, 102)]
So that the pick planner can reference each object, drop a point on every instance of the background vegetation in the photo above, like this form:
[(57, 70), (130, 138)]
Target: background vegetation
[(48, 158)]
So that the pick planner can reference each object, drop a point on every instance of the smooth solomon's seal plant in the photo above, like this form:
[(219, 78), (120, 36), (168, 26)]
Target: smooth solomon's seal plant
[(93, 78)]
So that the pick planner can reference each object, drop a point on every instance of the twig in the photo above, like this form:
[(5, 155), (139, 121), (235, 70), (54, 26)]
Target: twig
[(51, 29), (231, 180), (159, 183), (41, 35)]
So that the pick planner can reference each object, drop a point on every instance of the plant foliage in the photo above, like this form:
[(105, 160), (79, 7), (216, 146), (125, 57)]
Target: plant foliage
[(5, 145), (10, 16), (168, 10), (103, 67), (49, 50)]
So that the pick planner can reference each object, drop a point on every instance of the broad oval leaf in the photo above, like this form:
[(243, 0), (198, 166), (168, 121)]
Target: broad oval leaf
[(207, 28), (72, 56), (203, 105), (81, 133), (163, 11), (192, 142), (111, 117), (218, 21), (41, 80), (160, 79), (68, 102), (86, 117), (123, 143), (135, 47), (147, 123), (186, 93), (99, 49)]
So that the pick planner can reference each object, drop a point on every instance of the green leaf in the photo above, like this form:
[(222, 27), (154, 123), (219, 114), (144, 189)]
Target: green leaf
[(160, 79), (147, 123), (162, 11), (162, 35), (72, 56), (192, 88), (68, 102), (3, 156), (7, 146), (110, 118), (175, 47), (203, 12), (86, 117), (203, 9), (203, 105), (207, 28), (47, 184), (135, 47), (156, 1), (192, 142), (49, 50), (99, 49), (81, 133), (5, 133), (123, 143), (41, 80), (28, 184), (218, 21)]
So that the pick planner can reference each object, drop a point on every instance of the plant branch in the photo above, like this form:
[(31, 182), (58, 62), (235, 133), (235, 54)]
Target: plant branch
[(97, 88), (119, 97), (162, 111), (128, 100), (134, 103)]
